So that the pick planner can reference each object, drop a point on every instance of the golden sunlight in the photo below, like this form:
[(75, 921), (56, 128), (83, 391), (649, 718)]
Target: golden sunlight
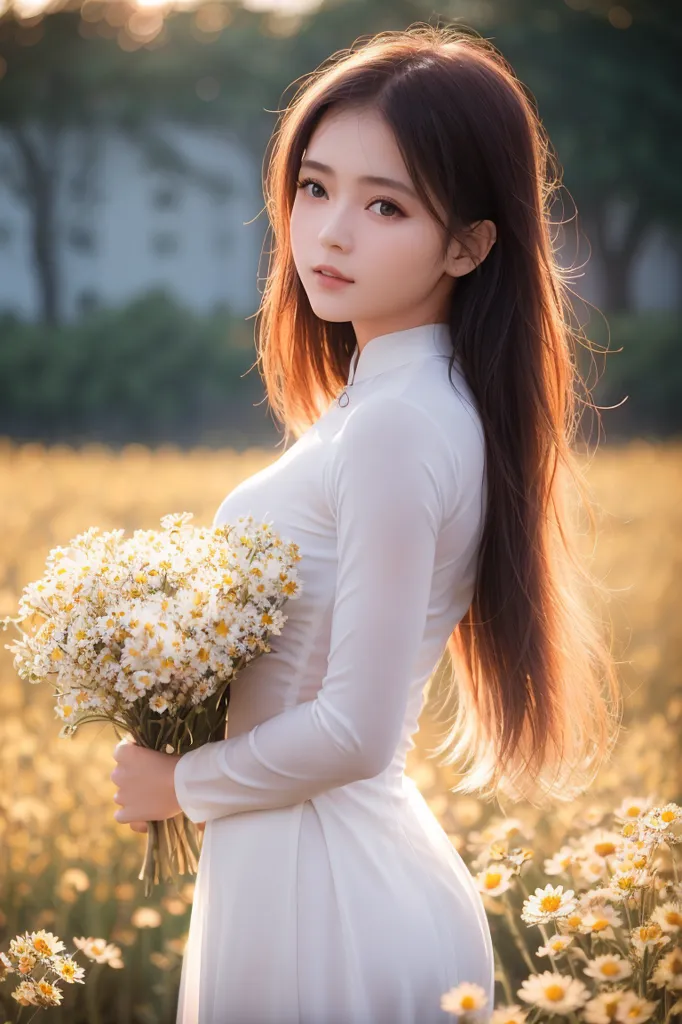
[(27, 9)]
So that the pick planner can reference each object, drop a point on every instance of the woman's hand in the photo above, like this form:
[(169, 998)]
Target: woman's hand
[(146, 788)]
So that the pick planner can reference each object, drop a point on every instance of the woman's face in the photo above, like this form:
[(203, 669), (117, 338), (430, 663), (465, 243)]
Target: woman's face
[(378, 234)]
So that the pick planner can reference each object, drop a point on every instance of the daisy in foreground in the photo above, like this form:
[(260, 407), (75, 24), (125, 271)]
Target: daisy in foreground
[(613, 939), (468, 1001), (554, 992), (30, 952)]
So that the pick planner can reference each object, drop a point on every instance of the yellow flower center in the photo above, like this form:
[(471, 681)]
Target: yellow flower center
[(550, 903), (554, 992)]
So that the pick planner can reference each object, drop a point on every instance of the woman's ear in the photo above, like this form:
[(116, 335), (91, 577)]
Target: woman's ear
[(464, 254)]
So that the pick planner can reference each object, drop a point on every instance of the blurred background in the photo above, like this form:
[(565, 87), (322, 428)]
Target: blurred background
[(132, 223), (132, 260)]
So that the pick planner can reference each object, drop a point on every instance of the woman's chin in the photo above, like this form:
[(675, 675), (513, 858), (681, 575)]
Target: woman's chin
[(334, 312)]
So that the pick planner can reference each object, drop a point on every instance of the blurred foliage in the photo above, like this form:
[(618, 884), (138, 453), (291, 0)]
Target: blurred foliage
[(153, 372), (641, 374), (67, 865), (150, 371)]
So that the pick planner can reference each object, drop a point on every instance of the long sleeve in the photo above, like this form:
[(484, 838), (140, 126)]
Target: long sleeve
[(391, 480)]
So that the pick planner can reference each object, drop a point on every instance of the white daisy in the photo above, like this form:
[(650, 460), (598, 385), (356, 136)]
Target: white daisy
[(547, 904), (647, 936), (632, 807), (98, 950), (668, 970), (512, 1013), (6, 966), (554, 992), (560, 862), (45, 943), (589, 869), (600, 920), (494, 880), (608, 967), (633, 1009), (465, 998), (624, 884), (667, 818), (68, 970), (669, 916), (158, 703), (602, 843), (602, 1008), (555, 946)]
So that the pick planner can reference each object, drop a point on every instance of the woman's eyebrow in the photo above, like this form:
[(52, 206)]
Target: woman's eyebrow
[(370, 179)]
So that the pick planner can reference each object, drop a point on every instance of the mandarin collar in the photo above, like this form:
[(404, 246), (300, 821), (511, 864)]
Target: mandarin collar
[(388, 351)]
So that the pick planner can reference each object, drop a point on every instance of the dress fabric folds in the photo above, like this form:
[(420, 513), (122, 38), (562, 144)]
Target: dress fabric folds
[(327, 891)]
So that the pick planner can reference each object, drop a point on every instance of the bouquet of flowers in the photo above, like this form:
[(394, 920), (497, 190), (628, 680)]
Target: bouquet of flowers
[(147, 633), (42, 950)]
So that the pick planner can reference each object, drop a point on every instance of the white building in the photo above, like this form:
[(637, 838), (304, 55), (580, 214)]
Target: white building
[(123, 227)]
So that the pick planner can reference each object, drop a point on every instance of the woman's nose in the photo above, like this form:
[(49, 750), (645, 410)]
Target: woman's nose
[(336, 232)]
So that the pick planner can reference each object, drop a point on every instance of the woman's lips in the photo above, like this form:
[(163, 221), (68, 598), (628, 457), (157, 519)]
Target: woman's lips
[(331, 282)]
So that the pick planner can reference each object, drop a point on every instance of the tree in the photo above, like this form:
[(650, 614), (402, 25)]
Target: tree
[(607, 95), (56, 79)]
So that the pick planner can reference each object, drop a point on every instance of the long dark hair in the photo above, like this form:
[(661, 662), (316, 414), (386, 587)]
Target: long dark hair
[(529, 659)]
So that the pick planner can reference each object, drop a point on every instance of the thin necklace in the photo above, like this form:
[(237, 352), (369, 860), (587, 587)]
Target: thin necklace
[(344, 393)]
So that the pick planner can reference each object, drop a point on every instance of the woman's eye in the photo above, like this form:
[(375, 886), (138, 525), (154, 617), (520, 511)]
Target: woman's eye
[(309, 181), (387, 202)]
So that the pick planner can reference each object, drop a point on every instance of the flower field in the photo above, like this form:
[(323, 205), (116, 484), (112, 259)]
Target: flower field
[(67, 867)]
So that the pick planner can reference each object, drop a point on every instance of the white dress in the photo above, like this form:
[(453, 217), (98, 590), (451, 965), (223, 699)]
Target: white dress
[(327, 891)]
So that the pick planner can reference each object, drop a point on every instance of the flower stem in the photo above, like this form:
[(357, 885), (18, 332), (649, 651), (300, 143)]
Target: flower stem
[(516, 935)]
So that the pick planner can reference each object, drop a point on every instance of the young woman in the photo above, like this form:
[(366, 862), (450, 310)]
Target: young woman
[(414, 340)]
